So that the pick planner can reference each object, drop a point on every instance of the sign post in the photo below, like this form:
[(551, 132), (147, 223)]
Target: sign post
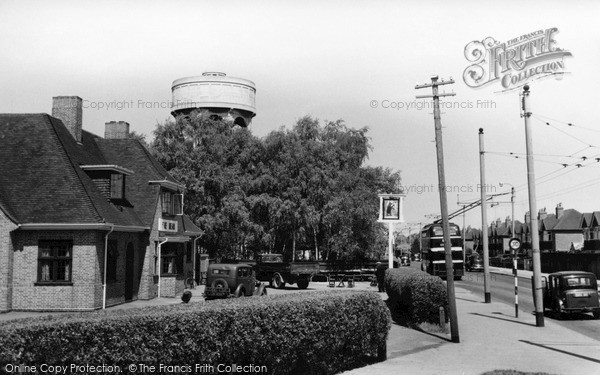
[(390, 211), (515, 245)]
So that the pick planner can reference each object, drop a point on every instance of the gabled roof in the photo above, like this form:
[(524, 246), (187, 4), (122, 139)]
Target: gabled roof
[(131, 154), (595, 219), (548, 222), (569, 220), (586, 219), (41, 179)]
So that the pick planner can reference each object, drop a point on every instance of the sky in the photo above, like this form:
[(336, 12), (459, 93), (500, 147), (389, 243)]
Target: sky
[(353, 60)]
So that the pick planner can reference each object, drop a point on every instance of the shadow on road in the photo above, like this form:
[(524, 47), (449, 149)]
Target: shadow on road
[(561, 351), (505, 319)]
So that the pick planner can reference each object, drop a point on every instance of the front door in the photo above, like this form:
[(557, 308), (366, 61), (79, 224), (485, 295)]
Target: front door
[(129, 267)]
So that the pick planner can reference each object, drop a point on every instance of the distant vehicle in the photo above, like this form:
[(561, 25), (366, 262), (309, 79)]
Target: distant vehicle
[(225, 280), (272, 268), (417, 257), (433, 256), (404, 260), (571, 292), (474, 263)]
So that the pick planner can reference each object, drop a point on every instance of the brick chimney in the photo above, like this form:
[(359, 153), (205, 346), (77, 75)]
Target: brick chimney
[(559, 210), (116, 130), (68, 109), (542, 214)]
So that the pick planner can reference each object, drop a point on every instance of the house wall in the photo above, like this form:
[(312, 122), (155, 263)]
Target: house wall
[(562, 241), (116, 289), (6, 262), (86, 288), (148, 288)]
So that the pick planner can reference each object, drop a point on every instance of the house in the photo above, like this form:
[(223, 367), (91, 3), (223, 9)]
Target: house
[(86, 222), (567, 230)]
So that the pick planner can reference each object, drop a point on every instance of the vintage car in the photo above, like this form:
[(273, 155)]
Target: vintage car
[(571, 292), (405, 260), (224, 280), (474, 263)]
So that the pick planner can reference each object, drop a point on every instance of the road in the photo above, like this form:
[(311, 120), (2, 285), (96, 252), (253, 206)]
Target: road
[(502, 290)]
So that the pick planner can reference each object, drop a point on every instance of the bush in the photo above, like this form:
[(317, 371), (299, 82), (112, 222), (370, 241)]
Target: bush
[(308, 333), (415, 296)]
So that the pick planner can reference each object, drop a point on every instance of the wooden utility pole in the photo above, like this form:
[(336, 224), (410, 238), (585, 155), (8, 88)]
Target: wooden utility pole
[(484, 228), (443, 198), (535, 236)]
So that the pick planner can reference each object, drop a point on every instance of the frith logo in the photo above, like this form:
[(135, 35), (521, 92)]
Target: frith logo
[(515, 62)]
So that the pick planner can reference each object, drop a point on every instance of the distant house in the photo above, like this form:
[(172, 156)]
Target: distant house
[(567, 230), (86, 222)]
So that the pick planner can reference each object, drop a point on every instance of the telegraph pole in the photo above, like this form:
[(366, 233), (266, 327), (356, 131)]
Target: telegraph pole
[(443, 198), (484, 229), (535, 236)]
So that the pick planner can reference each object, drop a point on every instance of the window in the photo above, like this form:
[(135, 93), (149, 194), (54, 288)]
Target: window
[(172, 204), (117, 184), (55, 261), (167, 203), (172, 261), (111, 261)]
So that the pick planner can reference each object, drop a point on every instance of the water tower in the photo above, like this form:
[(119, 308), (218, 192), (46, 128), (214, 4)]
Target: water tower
[(222, 97)]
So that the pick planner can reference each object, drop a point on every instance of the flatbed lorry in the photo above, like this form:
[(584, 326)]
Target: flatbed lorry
[(272, 268)]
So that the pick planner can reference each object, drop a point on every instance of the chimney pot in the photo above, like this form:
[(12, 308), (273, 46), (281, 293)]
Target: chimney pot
[(69, 110), (116, 130)]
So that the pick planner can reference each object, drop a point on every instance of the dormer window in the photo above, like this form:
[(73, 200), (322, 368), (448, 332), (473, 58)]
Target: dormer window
[(172, 203), (110, 179), (117, 186)]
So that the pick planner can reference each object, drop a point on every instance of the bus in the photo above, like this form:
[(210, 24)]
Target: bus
[(433, 256)]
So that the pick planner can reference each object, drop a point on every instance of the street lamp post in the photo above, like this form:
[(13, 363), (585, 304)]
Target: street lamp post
[(514, 251)]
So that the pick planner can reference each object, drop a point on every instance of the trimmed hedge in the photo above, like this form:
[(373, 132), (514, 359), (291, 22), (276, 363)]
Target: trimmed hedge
[(415, 296), (301, 333)]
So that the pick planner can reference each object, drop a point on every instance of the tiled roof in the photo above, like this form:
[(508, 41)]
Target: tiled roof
[(548, 223), (131, 154), (41, 179), (569, 220), (586, 219)]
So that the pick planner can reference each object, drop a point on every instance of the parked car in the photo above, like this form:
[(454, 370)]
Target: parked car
[(404, 260), (571, 292), (474, 263), (417, 257), (225, 280)]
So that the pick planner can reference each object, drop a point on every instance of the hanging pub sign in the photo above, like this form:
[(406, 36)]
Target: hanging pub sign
[(514, 62), (390, 207)]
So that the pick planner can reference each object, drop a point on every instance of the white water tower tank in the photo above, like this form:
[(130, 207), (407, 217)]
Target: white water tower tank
[(215, 93)]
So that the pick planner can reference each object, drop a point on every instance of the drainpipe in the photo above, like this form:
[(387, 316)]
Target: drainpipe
[(194, 259), (159, 263), (105, 261)]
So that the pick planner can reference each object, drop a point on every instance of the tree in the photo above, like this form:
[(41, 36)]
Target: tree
[(294, 189)]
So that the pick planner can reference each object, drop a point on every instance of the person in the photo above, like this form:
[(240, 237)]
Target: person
[(380, 275)]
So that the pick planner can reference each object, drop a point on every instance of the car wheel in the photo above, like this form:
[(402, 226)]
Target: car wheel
[(596, 314), (261, 291), (239, 291), (220, 284), (303, 284), (277, 281)]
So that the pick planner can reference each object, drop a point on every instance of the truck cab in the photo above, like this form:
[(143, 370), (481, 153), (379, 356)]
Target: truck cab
[(571, 292)]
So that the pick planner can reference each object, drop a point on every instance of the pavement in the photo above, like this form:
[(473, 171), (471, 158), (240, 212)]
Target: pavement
[(491, 338)]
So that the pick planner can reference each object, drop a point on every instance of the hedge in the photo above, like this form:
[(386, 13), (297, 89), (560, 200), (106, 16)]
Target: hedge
[(301, 333), (415, 296)]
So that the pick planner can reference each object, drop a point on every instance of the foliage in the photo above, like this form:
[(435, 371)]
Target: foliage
[(309, 333), (414, 295), (304, 188)]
